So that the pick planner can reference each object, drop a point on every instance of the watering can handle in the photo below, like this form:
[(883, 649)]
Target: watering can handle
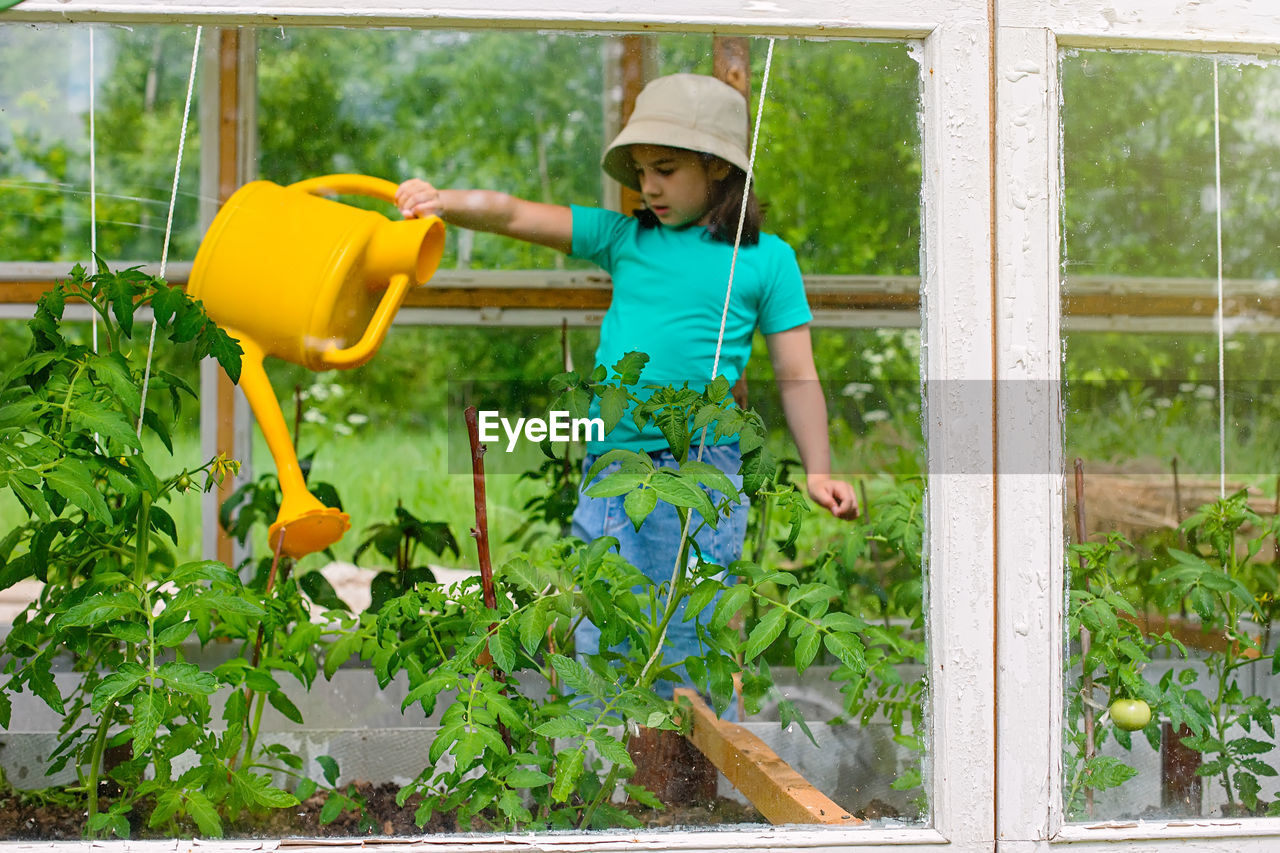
[(365, 185), (363, 350)]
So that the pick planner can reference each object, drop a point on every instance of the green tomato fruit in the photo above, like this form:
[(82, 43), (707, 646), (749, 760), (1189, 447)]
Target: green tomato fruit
[(1131, 714)]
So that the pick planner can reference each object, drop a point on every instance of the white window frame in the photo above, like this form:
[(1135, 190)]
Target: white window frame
[(1030, 555), (957, 288), (990, 292)]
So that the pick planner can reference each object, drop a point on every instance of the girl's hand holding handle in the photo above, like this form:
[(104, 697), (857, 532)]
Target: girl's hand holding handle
[(416, 199), (836, 496)]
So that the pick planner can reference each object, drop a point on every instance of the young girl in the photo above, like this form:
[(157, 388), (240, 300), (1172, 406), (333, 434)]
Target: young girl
[(684, 150)]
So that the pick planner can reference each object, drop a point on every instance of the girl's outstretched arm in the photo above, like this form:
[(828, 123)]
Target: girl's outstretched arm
[(485, 210), (806, 410)]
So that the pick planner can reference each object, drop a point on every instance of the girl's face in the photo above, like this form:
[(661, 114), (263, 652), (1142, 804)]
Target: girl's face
[(676, 183)]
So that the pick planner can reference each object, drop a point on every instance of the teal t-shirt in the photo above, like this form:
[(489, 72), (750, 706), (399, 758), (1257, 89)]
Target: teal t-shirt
[(668, 297)]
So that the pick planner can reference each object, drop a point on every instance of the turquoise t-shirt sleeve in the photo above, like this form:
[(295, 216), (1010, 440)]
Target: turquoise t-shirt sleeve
[(783, 304), (595, 233)]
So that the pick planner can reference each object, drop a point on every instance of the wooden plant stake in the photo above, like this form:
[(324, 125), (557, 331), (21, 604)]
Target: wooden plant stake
[(481, 531), (481, 534)]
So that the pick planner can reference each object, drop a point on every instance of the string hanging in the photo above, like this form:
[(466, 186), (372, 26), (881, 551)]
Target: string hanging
[(1218, 313), (93, 178), (742, 218), (168, 227)]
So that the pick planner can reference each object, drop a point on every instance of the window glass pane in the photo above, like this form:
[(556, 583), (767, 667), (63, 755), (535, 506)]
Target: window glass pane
[(352, 634), (1143, 386), (140, 89)]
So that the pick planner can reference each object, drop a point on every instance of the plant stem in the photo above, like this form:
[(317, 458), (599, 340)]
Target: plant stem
[(95, 758), (610, 780), (1086, 675), (252, 730), (66, 400)]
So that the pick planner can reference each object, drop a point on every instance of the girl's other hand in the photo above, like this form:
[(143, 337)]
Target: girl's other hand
[(836, 496), (416, 198)]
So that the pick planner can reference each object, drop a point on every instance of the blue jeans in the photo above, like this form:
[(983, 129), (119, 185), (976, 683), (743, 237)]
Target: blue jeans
[(653, 548)]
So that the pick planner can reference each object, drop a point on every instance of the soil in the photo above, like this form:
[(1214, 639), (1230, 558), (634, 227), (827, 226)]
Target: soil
[(47, 816)]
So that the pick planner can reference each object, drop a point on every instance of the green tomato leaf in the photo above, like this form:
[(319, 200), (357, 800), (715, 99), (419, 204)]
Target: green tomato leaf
[(99, 609), (329, 767), (638, 504), (72, 479), (613, 405), (561, 727), (285, 706), (764, 633), (711, 477), (115, 685), (617, 483), (848, 649), (568, 771), (188, 678), (503, 649), (579, 678), (527, 777), (112, 370), (807, 648), (148, 711)]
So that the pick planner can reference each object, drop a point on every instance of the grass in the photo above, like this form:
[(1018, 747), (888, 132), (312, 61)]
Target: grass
[(371, 471), (428, 471)]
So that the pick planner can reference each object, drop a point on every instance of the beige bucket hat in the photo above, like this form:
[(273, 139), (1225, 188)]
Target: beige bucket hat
[(690, 111)]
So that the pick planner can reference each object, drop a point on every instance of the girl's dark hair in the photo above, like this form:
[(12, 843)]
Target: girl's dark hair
[(724, 210)]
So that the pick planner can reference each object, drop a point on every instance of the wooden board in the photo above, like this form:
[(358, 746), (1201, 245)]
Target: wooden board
[(770, 784)]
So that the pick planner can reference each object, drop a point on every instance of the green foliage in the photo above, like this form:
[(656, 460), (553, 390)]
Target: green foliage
[(1113, 652), (399, 540), (552, 761), (44, 172), (1219, 569), (873, 575), (1223, 582), (112, 597), (1140, 153)]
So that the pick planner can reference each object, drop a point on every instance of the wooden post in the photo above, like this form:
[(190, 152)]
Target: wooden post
[(731, 61), (671, 768), (634, 72), (1180, 786)]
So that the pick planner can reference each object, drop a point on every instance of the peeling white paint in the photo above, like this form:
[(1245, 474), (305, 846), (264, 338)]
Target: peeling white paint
[(1023, 69)]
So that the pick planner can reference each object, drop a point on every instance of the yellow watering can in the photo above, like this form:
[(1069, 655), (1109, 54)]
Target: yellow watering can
[(315, 282)]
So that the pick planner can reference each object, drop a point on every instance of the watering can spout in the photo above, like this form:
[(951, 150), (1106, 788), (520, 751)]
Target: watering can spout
[(314, 282), (411, 246)]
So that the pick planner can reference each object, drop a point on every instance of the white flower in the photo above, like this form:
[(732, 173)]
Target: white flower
[(857, 389)]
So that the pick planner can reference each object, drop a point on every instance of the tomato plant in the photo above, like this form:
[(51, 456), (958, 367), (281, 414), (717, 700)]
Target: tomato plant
[(98, 537), (1222, 580), (513, 757)]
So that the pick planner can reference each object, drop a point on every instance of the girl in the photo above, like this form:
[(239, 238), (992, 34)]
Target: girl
[(684, 150)]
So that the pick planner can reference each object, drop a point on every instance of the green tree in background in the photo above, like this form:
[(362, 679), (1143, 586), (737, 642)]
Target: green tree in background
[(44, 149)]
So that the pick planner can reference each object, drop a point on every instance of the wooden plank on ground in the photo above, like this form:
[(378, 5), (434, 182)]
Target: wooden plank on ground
[(770, 784)]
